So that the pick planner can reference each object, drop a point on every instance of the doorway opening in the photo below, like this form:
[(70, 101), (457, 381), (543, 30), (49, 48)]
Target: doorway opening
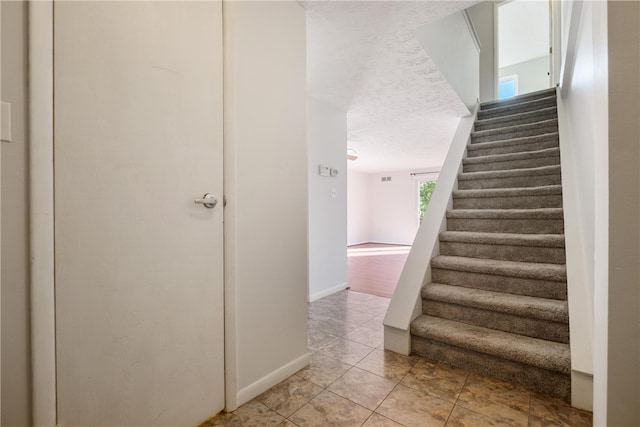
[(524, 47)]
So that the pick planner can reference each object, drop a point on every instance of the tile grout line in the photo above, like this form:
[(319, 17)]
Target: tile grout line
[(457, 398), (529, 414)]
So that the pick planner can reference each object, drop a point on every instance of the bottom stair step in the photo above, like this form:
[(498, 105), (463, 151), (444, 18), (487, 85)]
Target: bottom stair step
[(538, 364), (547, 319)]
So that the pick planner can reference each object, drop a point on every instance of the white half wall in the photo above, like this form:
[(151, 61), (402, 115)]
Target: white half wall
[(406, 305), (357, 207), (449, 43), (266, 187), (327, 146)]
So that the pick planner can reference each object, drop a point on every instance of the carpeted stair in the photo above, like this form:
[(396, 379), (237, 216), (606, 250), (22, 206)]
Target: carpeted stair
[(497, 303)]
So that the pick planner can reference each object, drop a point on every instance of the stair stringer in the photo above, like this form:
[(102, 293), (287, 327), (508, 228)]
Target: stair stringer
[(406, 304)]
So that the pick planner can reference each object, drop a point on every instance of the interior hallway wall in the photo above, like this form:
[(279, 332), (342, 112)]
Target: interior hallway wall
[(623, 330), (482, 15), (16, 378), (327, 146), (266, 175)]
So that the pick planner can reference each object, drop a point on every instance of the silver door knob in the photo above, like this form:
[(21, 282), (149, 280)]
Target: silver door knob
[(208, 200)]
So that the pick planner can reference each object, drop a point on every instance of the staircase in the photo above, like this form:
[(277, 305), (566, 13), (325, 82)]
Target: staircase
[(497, 304)]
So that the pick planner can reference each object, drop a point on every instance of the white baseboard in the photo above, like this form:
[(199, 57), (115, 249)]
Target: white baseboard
[(582, 390), (275, 377), (397, 243), (327, 292)]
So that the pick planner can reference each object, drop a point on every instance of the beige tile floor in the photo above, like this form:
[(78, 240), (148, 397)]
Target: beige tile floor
[(352, 381)]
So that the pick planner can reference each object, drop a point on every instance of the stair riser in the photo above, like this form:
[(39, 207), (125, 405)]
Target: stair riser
[(525, 181), (511, 285), (521, 133), (504, 252), (526, 202), (516, 109), (513, 164), (542, 380), (500, 122), (551, 142), (535, 328), (494, 225)]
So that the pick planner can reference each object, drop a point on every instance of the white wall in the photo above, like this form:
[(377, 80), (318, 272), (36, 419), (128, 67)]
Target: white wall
[(266, 187), (482, 15), (622, 335), (600, 134), (16, 395), (532, 74), (451, 34), (327, 145), (393, 208), (382, 211), (582, 110), (357, 207)]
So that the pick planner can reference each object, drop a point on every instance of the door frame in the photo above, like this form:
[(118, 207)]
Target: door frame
[(0, 203), (42, 226), (554, 42), (41, 215)]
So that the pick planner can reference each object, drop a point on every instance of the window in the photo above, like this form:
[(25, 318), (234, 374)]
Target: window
[(425, 190), (508, 86)]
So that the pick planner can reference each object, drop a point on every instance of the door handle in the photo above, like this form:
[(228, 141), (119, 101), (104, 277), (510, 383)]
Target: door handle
[(208, 200)]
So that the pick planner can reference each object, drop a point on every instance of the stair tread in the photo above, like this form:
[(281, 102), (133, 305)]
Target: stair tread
[(546, 190), (541, 170), (520, 99), (525, 270), (525, 106), (495, 158), (544, 354), (515, 128), (537, 240), (518, 116), (542, 213), (521, 305), (513, 141)]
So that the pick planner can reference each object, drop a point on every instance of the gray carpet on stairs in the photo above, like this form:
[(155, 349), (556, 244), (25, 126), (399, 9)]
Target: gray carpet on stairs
[(497, 303)]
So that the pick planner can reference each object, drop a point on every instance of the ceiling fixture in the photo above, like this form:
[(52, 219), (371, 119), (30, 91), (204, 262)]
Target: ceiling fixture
[(351, 154)]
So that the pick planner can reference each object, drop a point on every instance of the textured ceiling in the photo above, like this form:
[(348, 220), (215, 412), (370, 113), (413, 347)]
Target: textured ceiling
[(363, 58)]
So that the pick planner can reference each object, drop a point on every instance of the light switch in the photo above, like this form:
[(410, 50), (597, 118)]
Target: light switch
[(5, 124), (324, 170)]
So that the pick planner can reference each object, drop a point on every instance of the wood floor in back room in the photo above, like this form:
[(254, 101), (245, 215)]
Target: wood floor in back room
[(374, 268)]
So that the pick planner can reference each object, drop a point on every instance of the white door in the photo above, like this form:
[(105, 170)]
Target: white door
[(139, 265)]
